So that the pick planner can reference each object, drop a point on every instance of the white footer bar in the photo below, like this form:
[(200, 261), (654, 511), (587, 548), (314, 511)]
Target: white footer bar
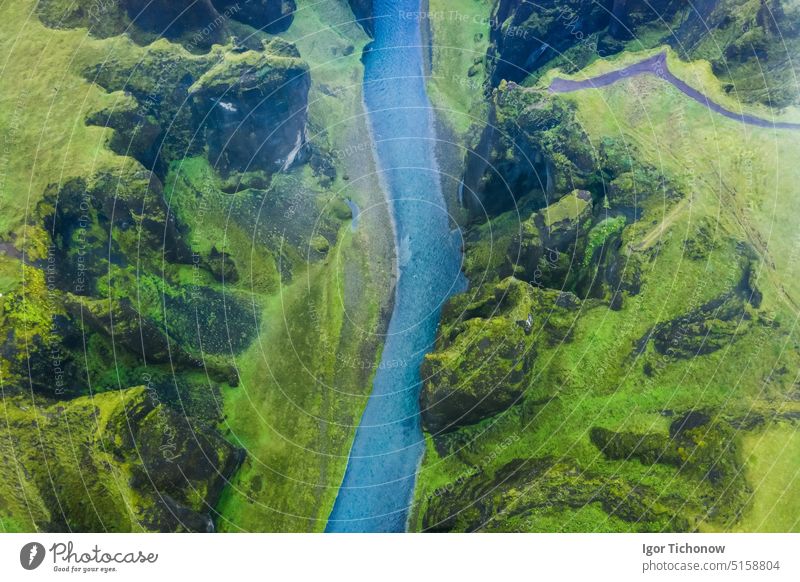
[(410, 558)]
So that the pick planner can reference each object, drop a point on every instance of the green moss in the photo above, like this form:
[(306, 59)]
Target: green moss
[(248, 70), (688, 286), (600, 234), (84, 443), (305, 383), (460, 39), (569, 208)]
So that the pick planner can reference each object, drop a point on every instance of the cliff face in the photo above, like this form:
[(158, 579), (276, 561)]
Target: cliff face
[(120, 332), (526, 37), (363, 11), (253, 108), (129, 463), (196, 23), (272, 16), (248, 107), (552, 383)]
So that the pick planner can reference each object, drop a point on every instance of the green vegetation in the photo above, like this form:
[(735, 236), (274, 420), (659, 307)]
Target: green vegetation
[(93, 476), (305, 382), (770, 458), (600, 234), (161, 252), (190, 322), (459, 39), (661, 407)]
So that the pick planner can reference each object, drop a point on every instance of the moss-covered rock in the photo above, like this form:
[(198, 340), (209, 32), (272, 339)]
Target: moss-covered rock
[(481, 365), (699, 446), (272, 16), (532, 147), (739, 37), (712, 326), (526, 488), (198, 24), (253, 107), (222, 266), (365, 14), (124, 461)]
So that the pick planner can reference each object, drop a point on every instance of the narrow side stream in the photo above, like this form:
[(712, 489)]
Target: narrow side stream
[(379, 482)]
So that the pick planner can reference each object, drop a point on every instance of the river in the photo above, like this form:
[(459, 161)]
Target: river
[(378, 485)]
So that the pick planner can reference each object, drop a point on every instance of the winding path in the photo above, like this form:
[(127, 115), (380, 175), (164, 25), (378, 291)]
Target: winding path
[(657, 65)]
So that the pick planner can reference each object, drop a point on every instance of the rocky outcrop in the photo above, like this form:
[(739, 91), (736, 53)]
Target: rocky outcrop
[(125, 461), (532, 147), (175, 18), (525, 37), (186, 464), (197, 24), (247, 106), (716, 324), (483, 363), (697, 445), (253, 107), (523, 488)]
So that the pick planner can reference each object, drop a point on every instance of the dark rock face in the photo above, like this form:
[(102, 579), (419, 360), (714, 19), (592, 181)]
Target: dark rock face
[(197, 24), (531, 147), (527, 487), (254, 107), (129, 462), (247, 108), (481, 366), (178, 461), (175, 18), (712, 326), (526, 35), (222, 266), (697, 445), (363, 11), (272, 16)]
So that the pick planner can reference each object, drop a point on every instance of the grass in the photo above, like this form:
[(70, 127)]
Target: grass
[(771, 458), (71, 441), (301, 389), (459, 44), (740, 176), (43, 106), (697, 74), (305, 382), (319, 308), (296, 408), (742, 181)]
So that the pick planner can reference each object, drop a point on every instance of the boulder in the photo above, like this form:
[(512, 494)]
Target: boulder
[(254, 110), (482, 364)]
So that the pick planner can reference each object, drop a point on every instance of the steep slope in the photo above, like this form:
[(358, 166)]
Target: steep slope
[(626, 339), (166, 193)]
